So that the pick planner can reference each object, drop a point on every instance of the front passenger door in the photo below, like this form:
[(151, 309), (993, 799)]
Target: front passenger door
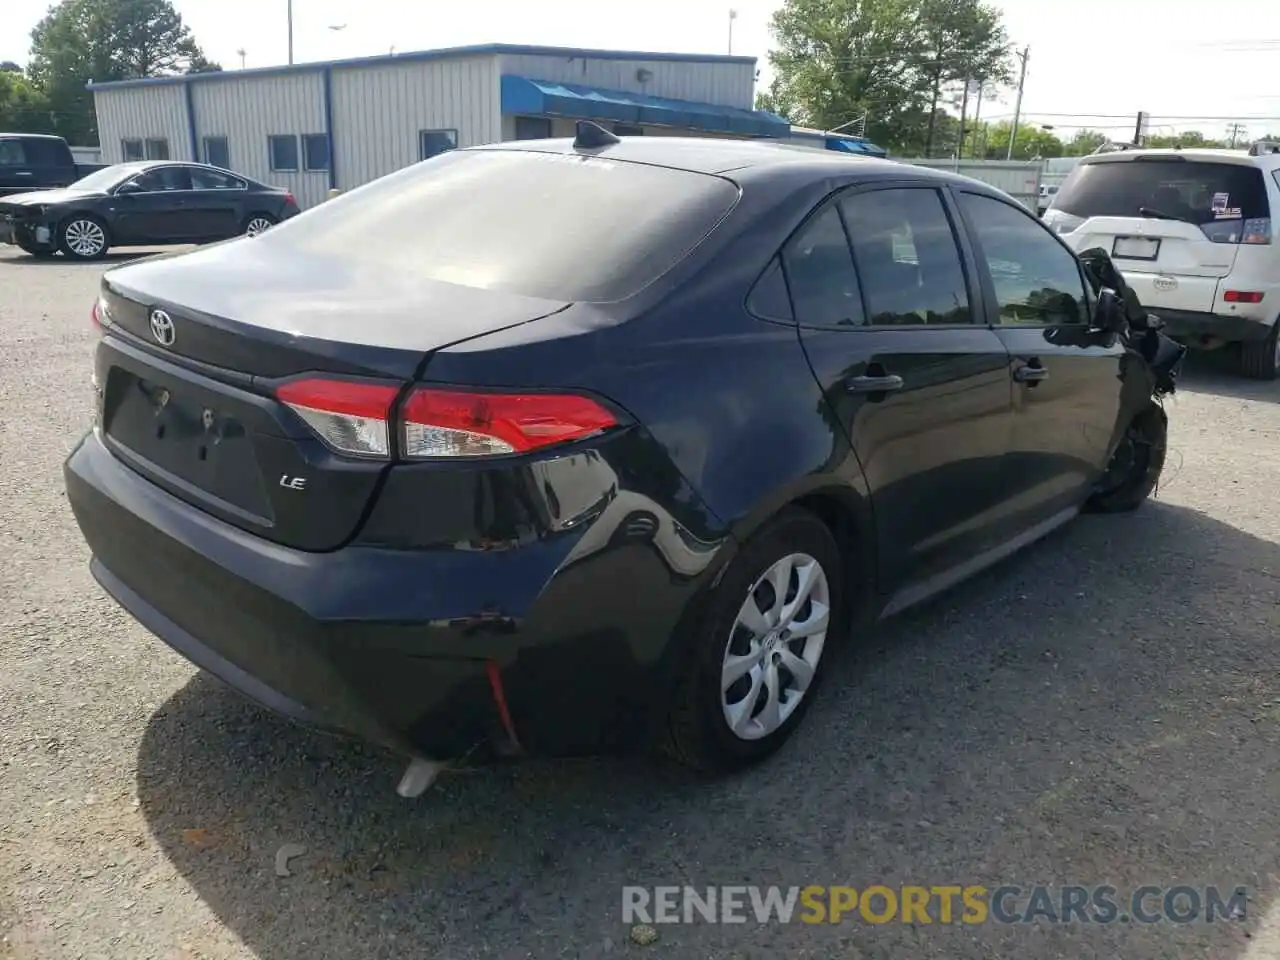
[(1067, 387), (920, 386), (156, 210)]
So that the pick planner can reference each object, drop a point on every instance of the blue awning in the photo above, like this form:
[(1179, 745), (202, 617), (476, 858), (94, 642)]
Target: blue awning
[(522, 95), (854, 145)]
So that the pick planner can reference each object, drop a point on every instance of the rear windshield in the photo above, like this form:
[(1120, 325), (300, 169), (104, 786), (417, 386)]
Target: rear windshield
[(543, 225), (1199, 192)]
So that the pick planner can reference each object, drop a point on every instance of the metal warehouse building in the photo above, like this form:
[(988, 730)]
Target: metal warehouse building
[(315, 126)]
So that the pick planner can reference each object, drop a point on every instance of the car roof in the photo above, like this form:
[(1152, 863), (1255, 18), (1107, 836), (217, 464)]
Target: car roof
[(1240, 158), (721, 156)]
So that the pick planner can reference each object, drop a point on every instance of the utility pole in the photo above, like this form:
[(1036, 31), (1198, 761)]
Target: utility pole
[(1024, 56), (1235, 131), (1139, 131), (290, 16), (733, 15), (964, 113)]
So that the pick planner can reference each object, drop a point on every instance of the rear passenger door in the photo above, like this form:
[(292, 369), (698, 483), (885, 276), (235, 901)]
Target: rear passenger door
[(215, 207), (1067, 387), (890, 317)]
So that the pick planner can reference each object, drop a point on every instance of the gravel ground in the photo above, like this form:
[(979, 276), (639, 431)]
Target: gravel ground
[(1103, 708)]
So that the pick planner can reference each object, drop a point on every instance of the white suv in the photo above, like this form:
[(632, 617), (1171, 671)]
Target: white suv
[(1193, 234)]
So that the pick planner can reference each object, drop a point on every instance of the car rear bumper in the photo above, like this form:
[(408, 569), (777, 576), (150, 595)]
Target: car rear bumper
[(1192, 325), (439, 653)]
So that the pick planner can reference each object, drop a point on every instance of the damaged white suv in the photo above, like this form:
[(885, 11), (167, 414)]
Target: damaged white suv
[(1193, 234)]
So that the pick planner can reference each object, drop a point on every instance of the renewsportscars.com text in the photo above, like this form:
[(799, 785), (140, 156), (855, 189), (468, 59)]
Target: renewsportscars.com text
[(942, 904)]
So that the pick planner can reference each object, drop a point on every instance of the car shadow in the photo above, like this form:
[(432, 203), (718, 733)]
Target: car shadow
[(1217, 372), (1102, 708), (112, 257)]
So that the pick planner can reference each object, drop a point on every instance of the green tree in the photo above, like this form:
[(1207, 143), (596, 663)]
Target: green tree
[(965, 40), (1031, 143), (23, 108), (1191, 138), (837, 60), (1084, 142), (104, 40)]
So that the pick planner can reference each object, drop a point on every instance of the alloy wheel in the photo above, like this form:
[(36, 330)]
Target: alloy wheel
[(85, 238), (256, 226), (774, 646)]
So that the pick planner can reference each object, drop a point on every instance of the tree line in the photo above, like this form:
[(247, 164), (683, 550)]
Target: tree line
[(79, 41)]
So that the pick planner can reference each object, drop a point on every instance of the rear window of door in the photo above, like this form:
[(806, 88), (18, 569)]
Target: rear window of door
[(1037, 280), (202, 179), (164, 179), (1203, 193), (820, 274), (907, 259), (530, 223)]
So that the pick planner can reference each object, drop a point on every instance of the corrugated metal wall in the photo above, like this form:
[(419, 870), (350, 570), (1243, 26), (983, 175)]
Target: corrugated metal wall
[(248, 111), (1020, 179), (729, 84), (140, 113), (379, 110)]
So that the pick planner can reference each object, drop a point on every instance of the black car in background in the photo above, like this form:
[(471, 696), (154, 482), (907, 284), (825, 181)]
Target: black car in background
[(148, 203), (565, 446), (37, 161)]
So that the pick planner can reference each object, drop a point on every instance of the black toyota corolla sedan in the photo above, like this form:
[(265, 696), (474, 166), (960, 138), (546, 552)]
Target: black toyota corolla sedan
[(559, 447), (149, 203)]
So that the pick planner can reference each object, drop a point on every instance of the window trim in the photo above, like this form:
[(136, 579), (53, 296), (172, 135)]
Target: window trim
[(124, 152), (964, 250), (992, 312), (305, 160), (271, 153), (422, 155)]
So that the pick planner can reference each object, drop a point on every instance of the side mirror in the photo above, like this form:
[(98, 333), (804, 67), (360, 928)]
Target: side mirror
[(127, 188), (1109, 314)]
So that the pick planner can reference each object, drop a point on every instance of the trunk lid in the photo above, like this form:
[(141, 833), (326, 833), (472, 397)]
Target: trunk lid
[(188, 399)]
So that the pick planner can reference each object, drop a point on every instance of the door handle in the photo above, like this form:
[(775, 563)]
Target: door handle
[(1030, 373), (880, 384)]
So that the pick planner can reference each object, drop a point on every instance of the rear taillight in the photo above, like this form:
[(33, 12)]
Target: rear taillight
[(452, 423), (100, 315), (1257, 230), (356, 419), (288, 198), (1242, 296), (351, 418)]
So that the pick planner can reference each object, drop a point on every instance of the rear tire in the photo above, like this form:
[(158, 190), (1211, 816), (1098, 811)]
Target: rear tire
[(83, 237), (779, 664), (257, 223), (1260, 360), (1136, 465)]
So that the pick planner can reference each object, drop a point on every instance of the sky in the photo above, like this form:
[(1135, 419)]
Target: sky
[(1092, 63)]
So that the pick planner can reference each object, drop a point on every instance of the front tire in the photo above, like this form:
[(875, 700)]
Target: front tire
[(1260, 360), (758, 656), (1136, 465), (82, 237), (40, 253)]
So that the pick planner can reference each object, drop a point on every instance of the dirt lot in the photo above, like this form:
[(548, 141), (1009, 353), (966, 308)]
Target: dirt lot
[(1104, 708)]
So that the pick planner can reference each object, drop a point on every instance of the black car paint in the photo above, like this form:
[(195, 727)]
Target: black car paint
[(143, 219), (47, 163), (578, 573)]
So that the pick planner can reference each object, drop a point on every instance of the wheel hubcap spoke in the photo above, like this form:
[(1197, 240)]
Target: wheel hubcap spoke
[(774, 646)]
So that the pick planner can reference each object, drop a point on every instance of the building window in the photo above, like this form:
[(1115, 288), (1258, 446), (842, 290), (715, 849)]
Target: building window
[(533, 128), (132, 150), (284, 152), (158, 149), (217, 153), (315, 151), (432, 143), (628, 130)]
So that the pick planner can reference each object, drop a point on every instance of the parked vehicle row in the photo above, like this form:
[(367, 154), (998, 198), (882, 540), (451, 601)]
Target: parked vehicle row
[(1195, 235), (398, 470), (146, 203)]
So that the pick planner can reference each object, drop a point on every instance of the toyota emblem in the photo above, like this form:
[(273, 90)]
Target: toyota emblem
[(162, 328)]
